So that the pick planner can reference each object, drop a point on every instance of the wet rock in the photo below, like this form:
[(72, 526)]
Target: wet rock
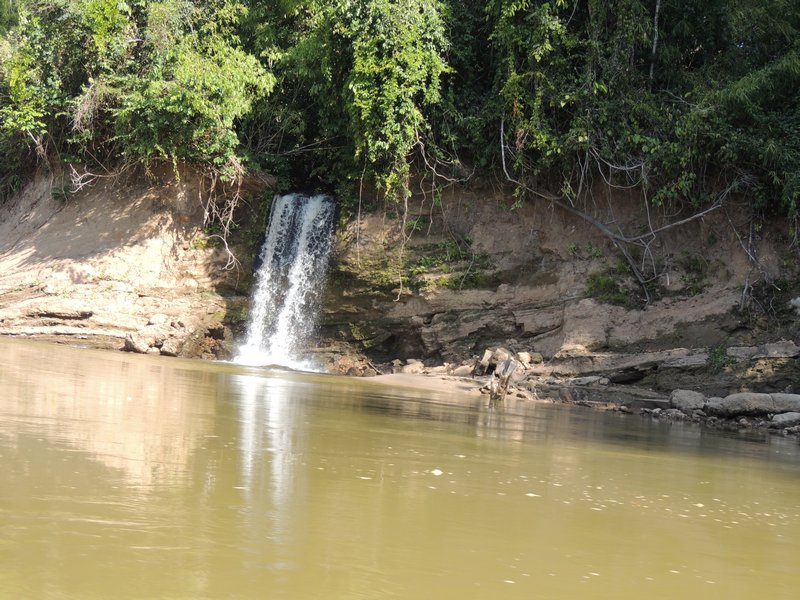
[(789, 419), (687, 400), (741, 404), (136, 342), (673, 414)]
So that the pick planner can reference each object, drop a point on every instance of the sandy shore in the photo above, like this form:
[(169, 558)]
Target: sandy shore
[(434, 383)]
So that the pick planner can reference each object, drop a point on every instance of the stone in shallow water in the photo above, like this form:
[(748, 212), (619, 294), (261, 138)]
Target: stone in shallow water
[(789, 419), (135, 342), (171, 347)]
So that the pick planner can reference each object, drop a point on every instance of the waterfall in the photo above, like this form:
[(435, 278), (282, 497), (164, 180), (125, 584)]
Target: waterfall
[(289, 281)]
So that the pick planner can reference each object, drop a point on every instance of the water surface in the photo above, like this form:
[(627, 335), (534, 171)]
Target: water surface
[(138, 477)]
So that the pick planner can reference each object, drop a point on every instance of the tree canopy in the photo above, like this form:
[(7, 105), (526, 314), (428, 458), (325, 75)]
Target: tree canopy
[(688, 99)]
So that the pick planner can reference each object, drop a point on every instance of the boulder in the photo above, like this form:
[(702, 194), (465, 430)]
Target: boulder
[(136, 342), (786, 403), (687, 400), (171, 347), (789, 419), (463, 371), (158, 319), (673, 414), (500, 355), (413, 368), (536, 358), (741, 353), (523, 357), (741, 404), (782, 349)]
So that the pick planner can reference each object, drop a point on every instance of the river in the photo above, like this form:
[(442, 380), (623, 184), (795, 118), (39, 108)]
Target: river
[(128, 476)]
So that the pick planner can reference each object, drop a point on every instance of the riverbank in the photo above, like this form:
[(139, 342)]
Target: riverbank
[(128, 265), (620, 383)]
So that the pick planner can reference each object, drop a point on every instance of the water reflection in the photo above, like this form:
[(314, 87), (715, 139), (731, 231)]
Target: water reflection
[(270, 424), (142, 419)]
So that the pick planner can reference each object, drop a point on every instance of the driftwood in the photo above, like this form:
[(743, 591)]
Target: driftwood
[(482, 365), (498, 387)]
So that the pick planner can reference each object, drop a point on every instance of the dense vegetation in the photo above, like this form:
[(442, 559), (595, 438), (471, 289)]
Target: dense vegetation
[(689, 99)]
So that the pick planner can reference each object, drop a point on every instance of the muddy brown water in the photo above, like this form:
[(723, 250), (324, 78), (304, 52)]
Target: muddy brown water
[(136, 477)]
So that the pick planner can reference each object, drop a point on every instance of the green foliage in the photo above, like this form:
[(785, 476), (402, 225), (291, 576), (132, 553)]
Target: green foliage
[(8, 15), (553, 94), (718, 358), (605, 288), (696, 269), (367, 71), (588, 251), (137, 80), (236, 315)]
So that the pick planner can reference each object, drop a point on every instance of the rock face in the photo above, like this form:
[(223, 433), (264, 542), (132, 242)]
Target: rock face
[(125, 265), (112, 266), (479, 276)]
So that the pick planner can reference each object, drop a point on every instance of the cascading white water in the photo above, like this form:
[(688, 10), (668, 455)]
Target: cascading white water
[(294, 258)]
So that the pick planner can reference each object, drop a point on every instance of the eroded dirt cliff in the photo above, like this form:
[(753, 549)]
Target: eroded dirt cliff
[(123, 264), (480, 272), (127, 264)]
